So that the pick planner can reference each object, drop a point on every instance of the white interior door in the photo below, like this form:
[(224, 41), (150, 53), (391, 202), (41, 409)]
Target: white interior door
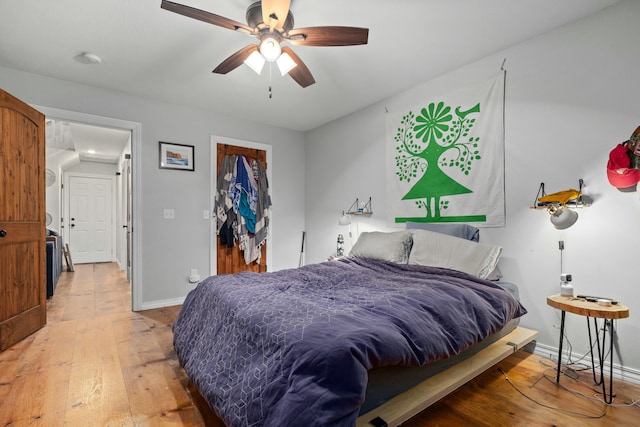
[(90, 219)]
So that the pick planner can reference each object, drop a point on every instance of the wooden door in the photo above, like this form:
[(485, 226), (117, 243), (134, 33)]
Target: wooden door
[(231, 260), (23, 307)]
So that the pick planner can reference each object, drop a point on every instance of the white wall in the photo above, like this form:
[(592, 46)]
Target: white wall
[(171, 248), (57, 162), (571, 96)]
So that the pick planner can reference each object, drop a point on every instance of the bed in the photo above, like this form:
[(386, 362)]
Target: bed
[(306, 346)]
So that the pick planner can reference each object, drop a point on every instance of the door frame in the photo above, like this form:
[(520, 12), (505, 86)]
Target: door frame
[(213, 259), (67, 207), (136, 184), (126, 193)]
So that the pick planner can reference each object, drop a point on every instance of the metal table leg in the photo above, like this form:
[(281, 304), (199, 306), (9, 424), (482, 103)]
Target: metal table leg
[(560, 347), (600, 353), (608, 323)]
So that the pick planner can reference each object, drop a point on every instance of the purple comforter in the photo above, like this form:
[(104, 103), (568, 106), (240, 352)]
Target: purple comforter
[(292, 348)]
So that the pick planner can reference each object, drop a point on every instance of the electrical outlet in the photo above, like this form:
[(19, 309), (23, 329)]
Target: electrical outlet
[(169, 214), (194, 277)]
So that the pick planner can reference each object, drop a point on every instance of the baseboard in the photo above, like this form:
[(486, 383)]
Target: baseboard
[(620, 372), (161, 303)]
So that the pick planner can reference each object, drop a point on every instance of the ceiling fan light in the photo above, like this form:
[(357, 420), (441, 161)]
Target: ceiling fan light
[(285, 63), (255, 61), (270, 49)]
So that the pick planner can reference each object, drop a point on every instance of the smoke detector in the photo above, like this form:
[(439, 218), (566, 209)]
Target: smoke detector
[(88, 58)]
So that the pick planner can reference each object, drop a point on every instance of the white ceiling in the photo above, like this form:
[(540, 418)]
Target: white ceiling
[(91, 143), (161, 55)]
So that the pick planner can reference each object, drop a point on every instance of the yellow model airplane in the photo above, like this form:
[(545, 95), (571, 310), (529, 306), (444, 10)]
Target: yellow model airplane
[(561, 197)]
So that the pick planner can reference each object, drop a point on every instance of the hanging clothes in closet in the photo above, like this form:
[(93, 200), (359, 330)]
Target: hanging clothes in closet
[(242, 204)]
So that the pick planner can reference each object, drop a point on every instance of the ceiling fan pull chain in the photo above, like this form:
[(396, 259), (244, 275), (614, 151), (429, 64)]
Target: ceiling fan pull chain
[(270, 93)]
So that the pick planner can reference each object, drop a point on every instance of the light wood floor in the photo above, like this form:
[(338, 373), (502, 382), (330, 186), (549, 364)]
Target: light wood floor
[(96, 363)]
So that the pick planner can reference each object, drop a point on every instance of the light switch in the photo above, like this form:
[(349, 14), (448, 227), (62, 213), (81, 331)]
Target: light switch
[(169, 214), (205, 214)]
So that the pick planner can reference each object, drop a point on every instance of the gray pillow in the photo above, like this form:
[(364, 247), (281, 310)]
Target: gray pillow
[(464, 231), (393, 246), (441, 250)]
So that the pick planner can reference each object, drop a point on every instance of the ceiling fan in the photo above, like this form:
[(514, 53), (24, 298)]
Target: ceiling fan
[(271, 22)]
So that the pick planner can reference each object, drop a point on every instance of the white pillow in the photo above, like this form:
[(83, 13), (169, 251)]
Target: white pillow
[(441, 250), (393, 246)]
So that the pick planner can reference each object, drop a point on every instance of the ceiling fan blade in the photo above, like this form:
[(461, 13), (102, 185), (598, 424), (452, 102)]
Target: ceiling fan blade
[(204, 16), (328, 36), (274, 12), (300, 73), (235, 60)]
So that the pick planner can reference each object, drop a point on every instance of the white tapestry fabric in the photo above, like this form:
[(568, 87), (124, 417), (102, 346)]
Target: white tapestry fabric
[(445, 158)]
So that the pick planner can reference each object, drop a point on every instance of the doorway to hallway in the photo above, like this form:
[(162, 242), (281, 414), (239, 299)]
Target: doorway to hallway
[(127, 243)]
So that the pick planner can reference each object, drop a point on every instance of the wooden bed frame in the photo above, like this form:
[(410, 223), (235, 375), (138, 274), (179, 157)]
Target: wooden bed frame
[(416, 399), (420, 397)]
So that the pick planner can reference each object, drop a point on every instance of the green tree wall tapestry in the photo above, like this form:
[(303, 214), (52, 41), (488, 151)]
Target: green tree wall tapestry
[(445, 158)]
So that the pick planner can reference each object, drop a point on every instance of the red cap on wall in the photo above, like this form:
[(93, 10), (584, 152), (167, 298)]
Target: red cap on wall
[(619, 173)]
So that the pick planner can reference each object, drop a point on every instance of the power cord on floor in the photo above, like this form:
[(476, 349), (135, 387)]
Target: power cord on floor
[(597, 397), (570, 369), (575, 367), (554, 408)]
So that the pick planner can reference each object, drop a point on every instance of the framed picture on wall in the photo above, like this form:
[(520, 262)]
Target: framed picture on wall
[(176, 156)]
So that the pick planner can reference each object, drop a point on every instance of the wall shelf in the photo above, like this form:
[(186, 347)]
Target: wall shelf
[(580, 201), (357, 209)]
